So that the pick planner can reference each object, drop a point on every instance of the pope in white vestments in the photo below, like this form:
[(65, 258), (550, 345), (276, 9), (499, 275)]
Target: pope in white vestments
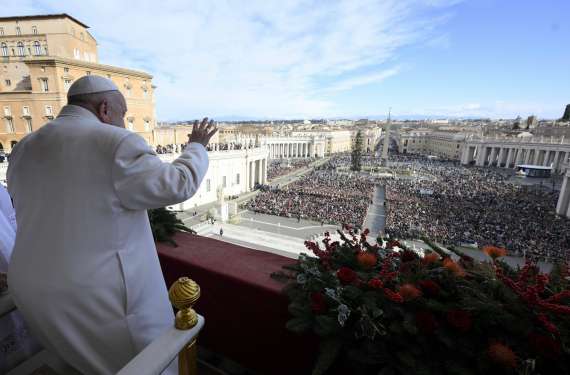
[(84, 272)]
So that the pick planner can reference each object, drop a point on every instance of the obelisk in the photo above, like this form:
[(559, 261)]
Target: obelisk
[(386, 140)]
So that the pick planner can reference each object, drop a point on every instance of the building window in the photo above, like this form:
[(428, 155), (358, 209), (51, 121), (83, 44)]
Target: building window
[(88, 73), (208, 186), (109, 76), (224, 181), (76, 54), (66, 70), (37, 48), (25, 110), (8, 82), (44, 84), (130, 124), (128, 91), (9, 125), (7, 111), (1, 31), (67, 84), (145, 94), (34, 30), (21, 49), (49, 110), (146, 125), (18, 30), (237, 179), (4, 49), (29, 125)]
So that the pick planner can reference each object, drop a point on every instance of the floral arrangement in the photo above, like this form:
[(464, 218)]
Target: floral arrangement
[(387, 310)]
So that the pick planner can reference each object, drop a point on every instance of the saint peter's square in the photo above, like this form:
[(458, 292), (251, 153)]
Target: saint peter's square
[(338, 211)]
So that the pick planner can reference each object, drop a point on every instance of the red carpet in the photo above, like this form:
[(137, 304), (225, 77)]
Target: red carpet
[(244, 307)]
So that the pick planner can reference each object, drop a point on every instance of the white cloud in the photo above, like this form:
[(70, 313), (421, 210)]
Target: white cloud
[(496, 109), (255, 57)]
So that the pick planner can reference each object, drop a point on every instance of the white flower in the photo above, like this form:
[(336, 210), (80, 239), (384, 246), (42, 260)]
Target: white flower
[(331, 293), (343, 314)]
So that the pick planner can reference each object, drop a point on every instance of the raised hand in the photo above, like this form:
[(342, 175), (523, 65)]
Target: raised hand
[(202, 132)]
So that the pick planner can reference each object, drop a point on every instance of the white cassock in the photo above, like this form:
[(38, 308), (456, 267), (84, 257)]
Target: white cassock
[(84, 272), (7, 229)]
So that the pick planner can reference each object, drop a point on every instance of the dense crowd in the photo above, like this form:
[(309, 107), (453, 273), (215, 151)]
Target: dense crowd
[(439, 199), (455, 204), (325, 196), (278, 168), (176, 148)]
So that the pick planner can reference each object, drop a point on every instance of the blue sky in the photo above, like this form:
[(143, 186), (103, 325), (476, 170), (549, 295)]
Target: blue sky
[(327, 58)]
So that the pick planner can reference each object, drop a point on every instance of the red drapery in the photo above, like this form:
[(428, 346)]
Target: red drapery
[(244, 307)]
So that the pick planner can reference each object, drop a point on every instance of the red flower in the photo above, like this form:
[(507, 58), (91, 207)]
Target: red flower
[(429, 287), (502, 355), (426, 323), (453, 267), (367, 260), (430, 258), (318, 303), (409, 292), (346, 275), (546, 323), (366, 232), (392, 243), (375, 283), (409, 256), (544, 345), (393, 296), (459, 319), (494, 252)]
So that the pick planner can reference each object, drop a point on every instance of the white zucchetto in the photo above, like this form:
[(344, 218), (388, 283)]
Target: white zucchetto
[(91, 84)]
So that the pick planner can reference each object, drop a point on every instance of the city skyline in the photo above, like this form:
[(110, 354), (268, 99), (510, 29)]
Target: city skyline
[(442, 58)]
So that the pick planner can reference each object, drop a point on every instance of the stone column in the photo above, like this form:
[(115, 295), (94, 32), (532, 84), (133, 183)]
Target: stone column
[(251, 175), (509, 158), (562, 207), (264, 169), (481, 155), (493, 157), (527, 156), (501, 157)]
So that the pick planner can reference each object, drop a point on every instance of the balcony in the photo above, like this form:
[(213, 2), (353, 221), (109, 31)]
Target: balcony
[(245, 309)]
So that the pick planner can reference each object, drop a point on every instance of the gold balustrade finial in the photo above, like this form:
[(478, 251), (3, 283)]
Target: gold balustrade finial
[(183, 294)]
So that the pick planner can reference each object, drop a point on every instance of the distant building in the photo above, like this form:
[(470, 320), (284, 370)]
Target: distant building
[(566, 116), (41, 57), (447, 145), (531, 122)]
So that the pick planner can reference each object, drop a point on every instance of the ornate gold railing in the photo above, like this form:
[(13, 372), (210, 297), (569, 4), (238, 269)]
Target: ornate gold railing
[(180, 340)]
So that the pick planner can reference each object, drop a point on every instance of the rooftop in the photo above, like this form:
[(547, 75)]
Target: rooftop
[(43, 16)]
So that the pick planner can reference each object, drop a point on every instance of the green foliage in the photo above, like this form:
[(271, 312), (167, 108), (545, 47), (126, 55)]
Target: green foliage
[(164, 224), (378, 311), (356, 155)]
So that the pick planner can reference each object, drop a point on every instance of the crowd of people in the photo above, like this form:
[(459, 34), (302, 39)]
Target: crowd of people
[(325, 196), (176, 148), (439, 199), (453, 204), (281, 167)]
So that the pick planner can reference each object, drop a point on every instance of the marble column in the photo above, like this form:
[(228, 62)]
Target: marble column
[(500, 161), (509, 157), (562, 206)]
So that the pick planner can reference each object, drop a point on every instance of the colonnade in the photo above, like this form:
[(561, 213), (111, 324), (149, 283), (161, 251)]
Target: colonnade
[(511, 154), (290, 150), (256, 172)]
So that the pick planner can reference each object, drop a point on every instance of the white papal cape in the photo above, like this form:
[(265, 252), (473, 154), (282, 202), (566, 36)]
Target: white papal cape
[(84, 271)]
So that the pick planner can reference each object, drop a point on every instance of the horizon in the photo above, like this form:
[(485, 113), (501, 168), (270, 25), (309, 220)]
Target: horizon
[(444, 59)]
